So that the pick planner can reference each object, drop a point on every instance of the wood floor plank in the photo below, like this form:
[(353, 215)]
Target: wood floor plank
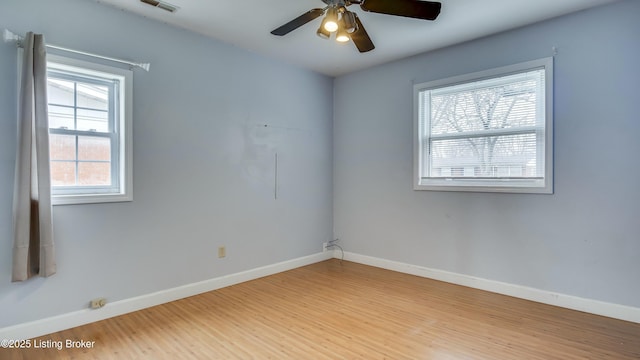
[(343, 310)]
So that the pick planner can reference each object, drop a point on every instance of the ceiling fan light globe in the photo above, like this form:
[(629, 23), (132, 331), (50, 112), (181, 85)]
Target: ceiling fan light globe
[(323, 33), (331, 26), (349, 22), (342, 35), (330, 21), (342, 38)]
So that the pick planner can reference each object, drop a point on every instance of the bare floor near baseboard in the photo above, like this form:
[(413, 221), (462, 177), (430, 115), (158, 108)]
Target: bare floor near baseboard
[(344, 310)]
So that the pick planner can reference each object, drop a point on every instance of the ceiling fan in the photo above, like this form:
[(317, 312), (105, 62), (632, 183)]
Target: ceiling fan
[(347, 25)]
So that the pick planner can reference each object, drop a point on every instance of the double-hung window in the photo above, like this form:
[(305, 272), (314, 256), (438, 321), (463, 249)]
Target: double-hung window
[(489, 131), (89, 131)]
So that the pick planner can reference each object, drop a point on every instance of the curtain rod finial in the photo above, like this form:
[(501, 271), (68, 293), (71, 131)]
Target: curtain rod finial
[(145, 66), (8, 36)]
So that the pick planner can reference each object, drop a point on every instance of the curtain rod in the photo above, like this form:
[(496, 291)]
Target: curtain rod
[(8, 36)]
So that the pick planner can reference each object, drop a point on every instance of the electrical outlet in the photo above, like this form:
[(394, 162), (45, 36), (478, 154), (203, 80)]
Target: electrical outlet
[(97, 303), (324, 246), (222, 251)]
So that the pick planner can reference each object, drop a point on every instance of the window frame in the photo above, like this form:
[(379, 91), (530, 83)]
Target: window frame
[(121, 154), (501, 185)]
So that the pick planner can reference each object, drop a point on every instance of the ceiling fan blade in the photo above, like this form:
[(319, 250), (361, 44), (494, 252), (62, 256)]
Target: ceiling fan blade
[(426, 10), (297, 22), (361, 39)]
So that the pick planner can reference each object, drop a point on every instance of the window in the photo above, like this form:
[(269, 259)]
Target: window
[(489, 131), (89, 131)]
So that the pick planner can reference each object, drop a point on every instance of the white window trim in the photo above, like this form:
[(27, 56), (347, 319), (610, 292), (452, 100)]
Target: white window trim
[(533, 186), (126, 127)]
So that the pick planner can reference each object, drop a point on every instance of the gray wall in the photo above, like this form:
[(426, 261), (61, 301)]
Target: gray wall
[(583, 240), (203, 173), (203, 163)]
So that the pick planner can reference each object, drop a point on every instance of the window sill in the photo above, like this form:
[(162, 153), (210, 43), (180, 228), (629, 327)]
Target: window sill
[(89, 199), (516, 187)]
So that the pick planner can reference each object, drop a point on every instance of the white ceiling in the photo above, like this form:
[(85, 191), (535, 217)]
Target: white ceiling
[(247, 24)]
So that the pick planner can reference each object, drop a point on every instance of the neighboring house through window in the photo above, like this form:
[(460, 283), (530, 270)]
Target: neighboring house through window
[(489, 131), (89, 131)]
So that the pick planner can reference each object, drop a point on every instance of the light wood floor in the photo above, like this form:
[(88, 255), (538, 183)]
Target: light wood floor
[(334, 310)]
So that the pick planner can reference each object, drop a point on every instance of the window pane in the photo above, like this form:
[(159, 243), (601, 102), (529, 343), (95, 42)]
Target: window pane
[(88, 115), (62, 147), (63, 173), (504, 103), (93, 120), (489, 131), (61, 117), (94, 148), (94, 173), (60, 92), (491, 156), (93, 96)]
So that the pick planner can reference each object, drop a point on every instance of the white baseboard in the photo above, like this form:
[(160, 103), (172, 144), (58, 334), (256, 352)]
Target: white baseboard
[(81, 317), (85, 316), (611, 310)]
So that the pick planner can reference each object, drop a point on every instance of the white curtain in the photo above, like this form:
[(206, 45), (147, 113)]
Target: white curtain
[(33, 250)]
